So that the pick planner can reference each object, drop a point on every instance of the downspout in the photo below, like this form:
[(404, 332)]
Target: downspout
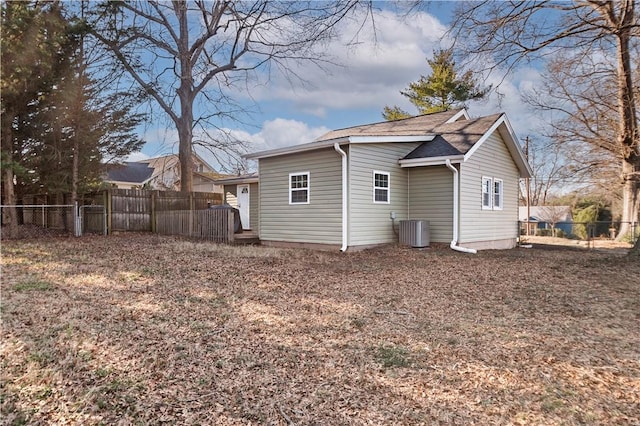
[(454, 242), (343, 154)]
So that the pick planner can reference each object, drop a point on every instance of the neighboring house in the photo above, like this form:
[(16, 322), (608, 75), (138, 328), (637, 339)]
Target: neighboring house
[(547, 217), (242, 193), (460, 174), (162, 173)]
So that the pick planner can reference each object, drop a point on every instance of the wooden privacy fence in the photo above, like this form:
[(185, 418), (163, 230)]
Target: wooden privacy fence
[(136, 209), (215, 225)]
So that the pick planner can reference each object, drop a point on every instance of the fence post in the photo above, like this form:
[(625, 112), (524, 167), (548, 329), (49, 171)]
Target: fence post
[(108, 211), (77, 224), (154, 228), (230, 226)]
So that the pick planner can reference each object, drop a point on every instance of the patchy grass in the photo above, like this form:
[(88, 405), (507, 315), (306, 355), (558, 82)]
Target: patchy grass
[(141, 329), (32, 285)]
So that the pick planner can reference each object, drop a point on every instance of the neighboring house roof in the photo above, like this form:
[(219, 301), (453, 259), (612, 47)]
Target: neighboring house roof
[(158, 171), (129, 172), (545, 214), (446, 136), (212, 176), (240, 179)]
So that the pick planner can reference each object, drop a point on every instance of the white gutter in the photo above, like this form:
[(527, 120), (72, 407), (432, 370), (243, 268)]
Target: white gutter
[(431, 161), (311, 146), (343, 154), (454, 242)]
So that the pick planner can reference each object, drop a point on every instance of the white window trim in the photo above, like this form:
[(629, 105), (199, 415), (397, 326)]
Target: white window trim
[(490, 206), (308, 188), (388, 188), (493, 194)]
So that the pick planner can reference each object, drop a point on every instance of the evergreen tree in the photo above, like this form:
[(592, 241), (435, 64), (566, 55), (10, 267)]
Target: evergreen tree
[(32, 44), (442, 90), (60, 117)]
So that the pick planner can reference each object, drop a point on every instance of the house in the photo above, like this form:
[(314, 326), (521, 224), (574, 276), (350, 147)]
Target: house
[(162, 173), (343, 190), (547, 217), (242, 193)]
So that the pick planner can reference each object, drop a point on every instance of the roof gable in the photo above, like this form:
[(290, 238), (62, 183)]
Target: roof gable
[(438, 147)]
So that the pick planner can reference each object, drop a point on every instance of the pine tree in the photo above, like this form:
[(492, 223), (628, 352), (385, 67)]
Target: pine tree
[(442, 90)]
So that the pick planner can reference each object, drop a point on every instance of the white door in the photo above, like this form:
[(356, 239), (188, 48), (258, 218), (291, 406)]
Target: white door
[(243, 205)]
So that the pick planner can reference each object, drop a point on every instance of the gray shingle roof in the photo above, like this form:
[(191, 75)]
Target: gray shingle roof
[(454, 138), (461, 135), (414, 126), (129, 172), (438, 147)]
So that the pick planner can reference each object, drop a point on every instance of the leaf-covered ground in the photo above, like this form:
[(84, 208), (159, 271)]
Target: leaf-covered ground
[(141, 329)]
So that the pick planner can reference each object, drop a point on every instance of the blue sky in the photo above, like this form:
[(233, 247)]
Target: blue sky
[(371, 74)]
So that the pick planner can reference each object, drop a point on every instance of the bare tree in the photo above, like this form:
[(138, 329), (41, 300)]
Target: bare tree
[(514, 31), (191, 57), (553, 215), (580, 92), (550, 171)]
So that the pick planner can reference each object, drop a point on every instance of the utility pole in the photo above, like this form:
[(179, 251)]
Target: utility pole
[(528, 184)]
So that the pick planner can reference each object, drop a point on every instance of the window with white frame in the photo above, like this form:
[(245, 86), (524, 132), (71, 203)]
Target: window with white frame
[(492, 198), (497, 194), (381, 187), (487, 183), (299, 188)]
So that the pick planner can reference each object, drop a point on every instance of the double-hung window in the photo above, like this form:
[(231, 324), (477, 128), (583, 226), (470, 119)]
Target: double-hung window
[(497, 194), (487, 184), (492, 193), (381, 187), (299, 188)]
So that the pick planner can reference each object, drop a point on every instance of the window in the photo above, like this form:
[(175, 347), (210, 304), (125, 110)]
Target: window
[(299, 188), (381, 187), (492, 193), (486, 193), (497, 194)]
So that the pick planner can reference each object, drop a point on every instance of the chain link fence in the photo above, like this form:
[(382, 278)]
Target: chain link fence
[(627, 232)]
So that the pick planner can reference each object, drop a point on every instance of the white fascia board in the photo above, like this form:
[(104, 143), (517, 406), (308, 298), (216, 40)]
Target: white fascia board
[(236, 181), (511, 141), (329, 143), (311, 146), (525, 168), (388, 139), (431, 161), (461, 113), (484, 137)]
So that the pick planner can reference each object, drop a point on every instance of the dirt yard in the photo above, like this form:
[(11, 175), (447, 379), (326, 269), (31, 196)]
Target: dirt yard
[(141, 329)]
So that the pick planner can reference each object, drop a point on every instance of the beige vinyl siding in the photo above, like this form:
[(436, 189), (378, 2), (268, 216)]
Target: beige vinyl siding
[(318, 222), (431, 198), (231, 198), (369, 222), (492, 159), (254, 206), (231, 195)]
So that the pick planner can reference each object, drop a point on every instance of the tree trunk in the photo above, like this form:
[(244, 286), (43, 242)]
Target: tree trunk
[(627, 131), (10, 200), (74, 172), (9, 188), (185, 137), (184, 123), (630, 198)]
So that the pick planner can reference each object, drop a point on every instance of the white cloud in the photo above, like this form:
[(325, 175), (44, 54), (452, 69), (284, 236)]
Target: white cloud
[(273, 134), (374, 65)]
